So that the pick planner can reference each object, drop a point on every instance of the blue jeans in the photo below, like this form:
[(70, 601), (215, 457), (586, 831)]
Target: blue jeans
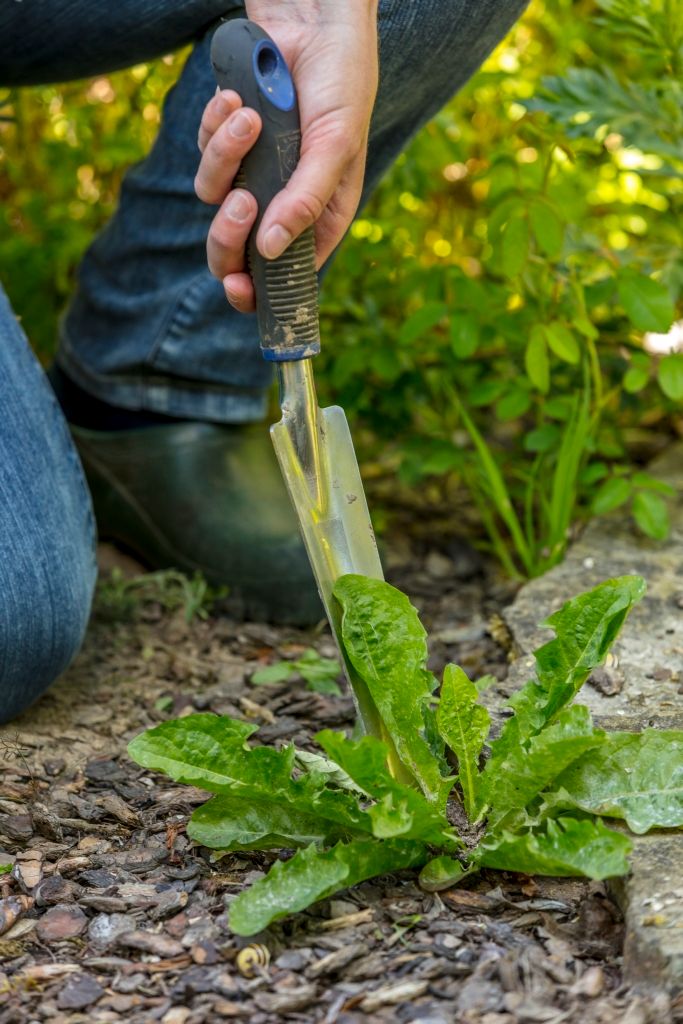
[(148, 327)]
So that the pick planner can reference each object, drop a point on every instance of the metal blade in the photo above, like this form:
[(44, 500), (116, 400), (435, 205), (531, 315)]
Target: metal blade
[(319, 466)]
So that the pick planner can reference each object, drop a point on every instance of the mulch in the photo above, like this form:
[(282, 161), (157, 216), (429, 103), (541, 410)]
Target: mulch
[(110, 912)]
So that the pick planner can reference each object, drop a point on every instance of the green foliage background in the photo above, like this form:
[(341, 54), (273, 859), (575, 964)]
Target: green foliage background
[(485, 320)]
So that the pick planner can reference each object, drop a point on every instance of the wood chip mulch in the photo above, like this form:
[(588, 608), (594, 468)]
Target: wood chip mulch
[(110, 913)]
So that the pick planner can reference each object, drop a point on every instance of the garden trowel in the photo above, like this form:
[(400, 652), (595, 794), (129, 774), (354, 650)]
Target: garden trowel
[(313, 445)]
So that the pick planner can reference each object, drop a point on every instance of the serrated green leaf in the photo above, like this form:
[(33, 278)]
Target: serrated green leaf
[(536, 359), (548, 228), (611, 495), (229, 822), (670, 376), (464, 332), (585, 628), (464, 726), (515, 246), (313, 875), (647, 302), (512, 783), (334, 775), (211, 752), (386, 644), (442, 873), (401, 810), (651, 514), (567, 846), (635, 776), (563, 343)]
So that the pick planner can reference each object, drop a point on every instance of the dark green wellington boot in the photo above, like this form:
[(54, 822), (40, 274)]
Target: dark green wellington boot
[(197, 496)]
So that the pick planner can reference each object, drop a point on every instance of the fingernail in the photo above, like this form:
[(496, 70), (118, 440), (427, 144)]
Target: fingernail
[(240, 124), (237, 206), (276, 241), (226, 100)]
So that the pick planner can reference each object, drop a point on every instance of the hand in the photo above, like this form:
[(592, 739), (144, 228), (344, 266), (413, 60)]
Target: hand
[(331, 49)]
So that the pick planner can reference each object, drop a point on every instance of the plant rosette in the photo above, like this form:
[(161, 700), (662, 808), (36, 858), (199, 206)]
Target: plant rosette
[(532, 799)]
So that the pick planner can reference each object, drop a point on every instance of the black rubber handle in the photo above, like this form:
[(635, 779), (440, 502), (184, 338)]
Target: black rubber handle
[(246, 59)]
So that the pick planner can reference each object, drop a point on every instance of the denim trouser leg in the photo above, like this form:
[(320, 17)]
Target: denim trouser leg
[(148, 327), (47, 532)]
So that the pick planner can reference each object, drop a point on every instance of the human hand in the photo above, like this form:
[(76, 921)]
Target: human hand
[(331, 49)]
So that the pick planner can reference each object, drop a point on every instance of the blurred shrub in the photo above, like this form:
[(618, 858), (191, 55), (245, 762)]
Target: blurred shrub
[(487, 320)]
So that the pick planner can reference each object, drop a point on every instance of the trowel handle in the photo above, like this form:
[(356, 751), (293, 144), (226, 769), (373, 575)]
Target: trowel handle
[(246, 59)]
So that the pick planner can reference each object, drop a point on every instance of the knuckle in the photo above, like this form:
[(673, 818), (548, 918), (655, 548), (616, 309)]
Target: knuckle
[(204, 191), (308, 207)]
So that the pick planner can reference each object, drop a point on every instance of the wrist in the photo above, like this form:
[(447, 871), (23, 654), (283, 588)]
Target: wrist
[(311, 11)]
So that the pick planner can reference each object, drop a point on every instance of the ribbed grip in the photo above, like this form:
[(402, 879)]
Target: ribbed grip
[(246, 59)]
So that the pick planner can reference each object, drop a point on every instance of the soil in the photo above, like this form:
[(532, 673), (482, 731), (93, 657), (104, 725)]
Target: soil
[(112, 914)]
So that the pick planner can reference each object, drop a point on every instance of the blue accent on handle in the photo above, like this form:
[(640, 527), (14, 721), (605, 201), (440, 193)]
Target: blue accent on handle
[(290, 354), (272, 75)]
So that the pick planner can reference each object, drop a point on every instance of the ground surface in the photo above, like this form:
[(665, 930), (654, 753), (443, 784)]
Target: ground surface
[(111, 914)]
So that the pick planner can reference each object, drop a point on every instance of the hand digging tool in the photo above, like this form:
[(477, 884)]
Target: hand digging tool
[(313, 445)]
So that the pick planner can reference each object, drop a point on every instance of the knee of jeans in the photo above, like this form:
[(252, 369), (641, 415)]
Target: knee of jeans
[(43, 620)]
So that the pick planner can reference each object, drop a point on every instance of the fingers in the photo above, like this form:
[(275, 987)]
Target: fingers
[(224, 152), (215, 113), (229, 232), (322, 166), (240, 292)]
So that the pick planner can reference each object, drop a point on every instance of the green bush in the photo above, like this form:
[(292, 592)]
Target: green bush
[(487, 319), (484, 323)]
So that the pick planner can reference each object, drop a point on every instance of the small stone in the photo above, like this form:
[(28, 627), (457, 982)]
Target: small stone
[(438, 566), (391, 995), (590, 984), (104, 770), (54, 766), (635, 1013), (204, 953), (176, 1015), (47, 823), (119, 809), (55, 889), (16, 826), (337, 960), (177, 926), (287, 1000), (81, 990), (660, 673), (11, 909), (608, 681), (105, 930), (226, 1008), (151, 942), (28, 868), (62, 922), (122, 1003), (97, 878), (292, 960), (128, 983)]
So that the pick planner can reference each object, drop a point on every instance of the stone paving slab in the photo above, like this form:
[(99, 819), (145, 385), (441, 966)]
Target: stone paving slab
[(641, 686)]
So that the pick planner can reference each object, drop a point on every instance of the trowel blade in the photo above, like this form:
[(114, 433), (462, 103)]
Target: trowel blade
[(327, 493)]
